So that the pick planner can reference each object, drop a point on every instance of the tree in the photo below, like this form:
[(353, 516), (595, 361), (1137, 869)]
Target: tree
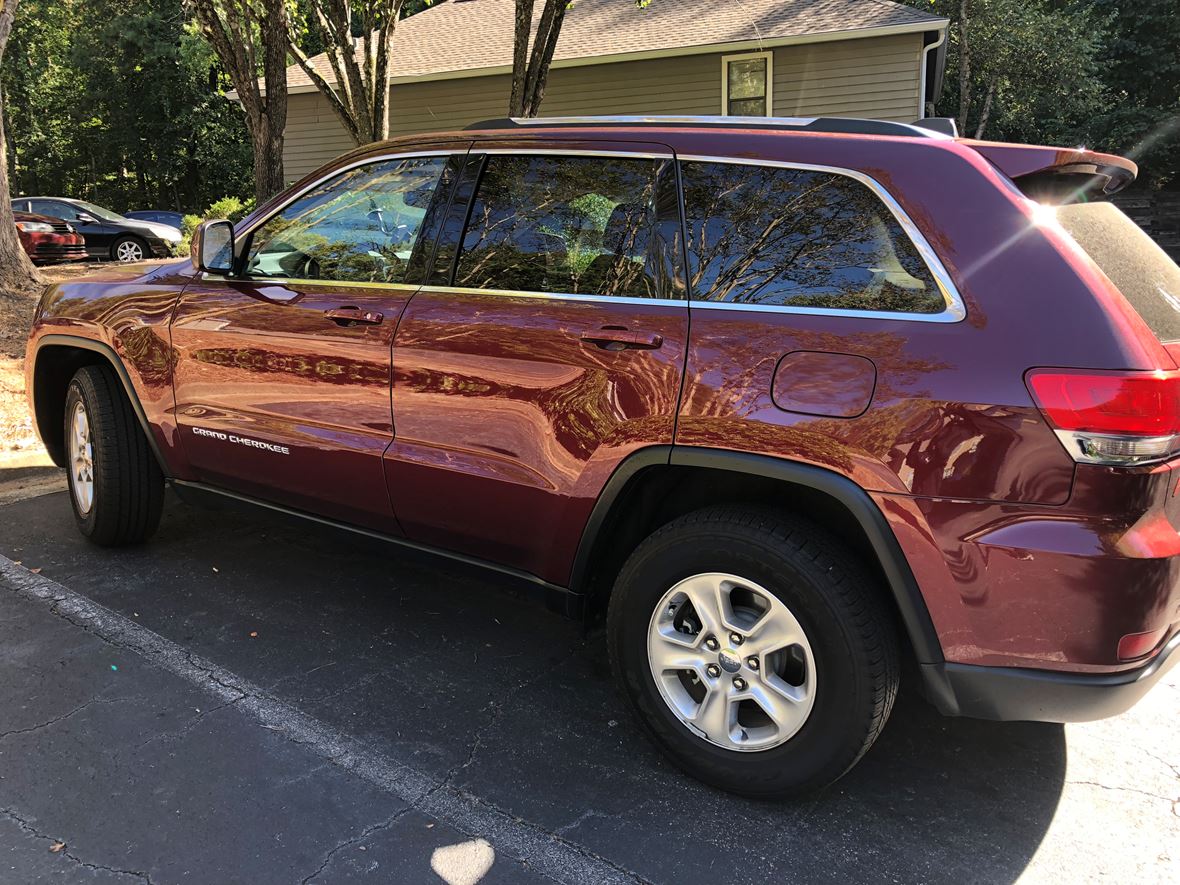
[(1027, 70), (530, 69), (240, 30), (359, 91), (16, 270)]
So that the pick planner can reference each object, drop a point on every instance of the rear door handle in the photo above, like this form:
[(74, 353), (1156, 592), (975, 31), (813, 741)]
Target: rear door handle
[(619, 338), (347, 315)]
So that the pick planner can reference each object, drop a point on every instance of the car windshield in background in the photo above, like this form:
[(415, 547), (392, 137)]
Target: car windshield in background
[(98, 211), (1143, 272)]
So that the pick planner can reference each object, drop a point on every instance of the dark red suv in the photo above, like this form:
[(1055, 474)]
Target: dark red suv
[(789, 401)]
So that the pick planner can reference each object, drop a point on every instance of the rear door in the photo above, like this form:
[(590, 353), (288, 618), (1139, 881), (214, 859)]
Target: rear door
[(283, 374), (548, 346)]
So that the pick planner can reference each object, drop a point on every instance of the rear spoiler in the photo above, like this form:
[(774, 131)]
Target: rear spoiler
[(1059, 175)]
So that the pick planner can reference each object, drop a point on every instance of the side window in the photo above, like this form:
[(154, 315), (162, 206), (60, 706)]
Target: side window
[(358, 227), (569, 225), (53, 209), (799, 238)]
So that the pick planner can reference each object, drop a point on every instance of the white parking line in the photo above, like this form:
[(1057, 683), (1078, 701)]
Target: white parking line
[(545, 852)]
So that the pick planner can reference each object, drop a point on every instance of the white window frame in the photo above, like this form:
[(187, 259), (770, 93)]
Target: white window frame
[(746, 56)]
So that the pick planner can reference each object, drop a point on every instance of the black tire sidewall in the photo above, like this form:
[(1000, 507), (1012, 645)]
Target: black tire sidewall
[(829, 741)]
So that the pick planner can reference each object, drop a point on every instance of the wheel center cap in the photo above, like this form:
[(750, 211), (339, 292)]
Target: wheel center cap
[(729, 660)]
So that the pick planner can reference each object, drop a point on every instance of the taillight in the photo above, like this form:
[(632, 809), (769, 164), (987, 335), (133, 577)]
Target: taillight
[(1113, 418)]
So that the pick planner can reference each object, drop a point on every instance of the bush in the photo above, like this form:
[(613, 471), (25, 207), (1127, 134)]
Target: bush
[(233, 208)]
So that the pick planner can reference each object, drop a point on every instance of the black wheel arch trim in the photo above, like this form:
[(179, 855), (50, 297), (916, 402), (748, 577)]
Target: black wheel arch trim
[(911, 605), (109, 354)]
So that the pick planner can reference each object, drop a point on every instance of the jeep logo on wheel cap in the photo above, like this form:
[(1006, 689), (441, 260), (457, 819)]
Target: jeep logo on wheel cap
[(729, 661)]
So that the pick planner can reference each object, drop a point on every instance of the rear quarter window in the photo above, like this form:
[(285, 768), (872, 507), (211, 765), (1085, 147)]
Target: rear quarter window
[(1141, 270), (799, 238)]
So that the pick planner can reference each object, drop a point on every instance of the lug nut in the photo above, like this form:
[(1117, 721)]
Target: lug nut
[(711, 643), (752, 663), (739, 683), (735, 638), (713, 670)]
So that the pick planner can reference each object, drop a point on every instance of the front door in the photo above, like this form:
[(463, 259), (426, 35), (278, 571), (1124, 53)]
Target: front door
[(549, 346), (283, 373)]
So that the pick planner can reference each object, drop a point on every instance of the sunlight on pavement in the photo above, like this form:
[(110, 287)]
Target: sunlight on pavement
[(463, 864)]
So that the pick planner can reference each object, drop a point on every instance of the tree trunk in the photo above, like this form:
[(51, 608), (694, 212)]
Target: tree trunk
[(16, 270), (268, 159), (987, 108), (964, 65), (520, 56)]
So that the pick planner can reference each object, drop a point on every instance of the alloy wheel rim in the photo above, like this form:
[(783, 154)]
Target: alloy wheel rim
[(732, 662), (129, 251), (81, 459)]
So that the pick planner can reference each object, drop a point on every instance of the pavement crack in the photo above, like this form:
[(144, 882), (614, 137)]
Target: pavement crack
[(62, 717), (190, 725), (365, 834), (1125, 790), (27, 827)]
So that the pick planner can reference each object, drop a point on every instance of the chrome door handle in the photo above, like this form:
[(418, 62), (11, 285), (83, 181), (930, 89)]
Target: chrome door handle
[(346, 315), (619, 338)]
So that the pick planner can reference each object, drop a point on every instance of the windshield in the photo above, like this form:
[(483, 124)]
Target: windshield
[(98, 211), (1143, 272)]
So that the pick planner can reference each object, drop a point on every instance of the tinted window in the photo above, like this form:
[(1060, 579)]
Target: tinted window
[(1143, 272), (54, 209), (579, 225), (358, 227), (799, 238)]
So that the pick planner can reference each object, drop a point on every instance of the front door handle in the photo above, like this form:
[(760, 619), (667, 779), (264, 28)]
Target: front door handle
[(347, 315), (620, 338)]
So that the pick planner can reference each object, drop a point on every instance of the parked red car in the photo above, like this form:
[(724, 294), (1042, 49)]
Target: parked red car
[(790, 401), (48, 240)]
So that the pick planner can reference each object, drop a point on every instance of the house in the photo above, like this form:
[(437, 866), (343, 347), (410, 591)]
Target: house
[(451, 65)]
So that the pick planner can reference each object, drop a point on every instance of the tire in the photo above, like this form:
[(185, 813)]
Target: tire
[(116, 486), (127, 249), (840, 668)]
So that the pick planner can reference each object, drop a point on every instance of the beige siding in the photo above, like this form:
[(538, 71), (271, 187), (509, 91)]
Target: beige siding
[(314, 135), (874, 77)]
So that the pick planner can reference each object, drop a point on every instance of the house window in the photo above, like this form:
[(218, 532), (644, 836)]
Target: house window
[(746, 85)]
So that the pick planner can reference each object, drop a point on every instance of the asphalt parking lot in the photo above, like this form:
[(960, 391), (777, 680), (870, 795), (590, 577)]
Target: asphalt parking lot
[(246, 701)]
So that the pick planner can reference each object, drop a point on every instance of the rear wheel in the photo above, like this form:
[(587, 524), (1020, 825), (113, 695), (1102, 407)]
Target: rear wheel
[(755, 648), (116, 487)]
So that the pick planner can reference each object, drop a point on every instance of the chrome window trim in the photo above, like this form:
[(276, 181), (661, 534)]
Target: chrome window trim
[(955, 310), (206, 277), (556, 296)]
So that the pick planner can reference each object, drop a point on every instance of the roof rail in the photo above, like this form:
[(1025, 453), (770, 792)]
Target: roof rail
[(848, 125)]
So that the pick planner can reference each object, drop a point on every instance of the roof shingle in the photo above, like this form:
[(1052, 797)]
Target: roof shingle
[(474, 35)]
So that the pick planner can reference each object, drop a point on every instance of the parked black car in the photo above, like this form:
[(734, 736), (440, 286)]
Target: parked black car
[(160, 216), (108, 234)]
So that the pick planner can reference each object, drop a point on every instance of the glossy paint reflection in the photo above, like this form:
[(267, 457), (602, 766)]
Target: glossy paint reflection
[(508, 424)]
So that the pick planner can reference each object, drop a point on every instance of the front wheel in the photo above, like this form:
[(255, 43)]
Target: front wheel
[(756, 649), (116, 486), (129, 249)]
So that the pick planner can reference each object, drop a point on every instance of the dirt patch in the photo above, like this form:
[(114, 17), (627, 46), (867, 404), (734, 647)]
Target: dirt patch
[(18, 440)]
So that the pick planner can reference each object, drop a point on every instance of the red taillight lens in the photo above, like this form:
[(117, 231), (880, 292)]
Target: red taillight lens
[(1123, 403), (1111, 418)]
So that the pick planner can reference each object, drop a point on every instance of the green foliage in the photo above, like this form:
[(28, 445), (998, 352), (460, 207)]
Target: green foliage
[(233, 208), (1103, 73), (120, 104)]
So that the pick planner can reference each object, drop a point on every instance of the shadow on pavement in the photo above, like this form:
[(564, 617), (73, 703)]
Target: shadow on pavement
[(435, 668)]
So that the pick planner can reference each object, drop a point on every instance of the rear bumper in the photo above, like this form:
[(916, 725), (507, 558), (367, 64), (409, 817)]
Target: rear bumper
[(1014, 693)]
